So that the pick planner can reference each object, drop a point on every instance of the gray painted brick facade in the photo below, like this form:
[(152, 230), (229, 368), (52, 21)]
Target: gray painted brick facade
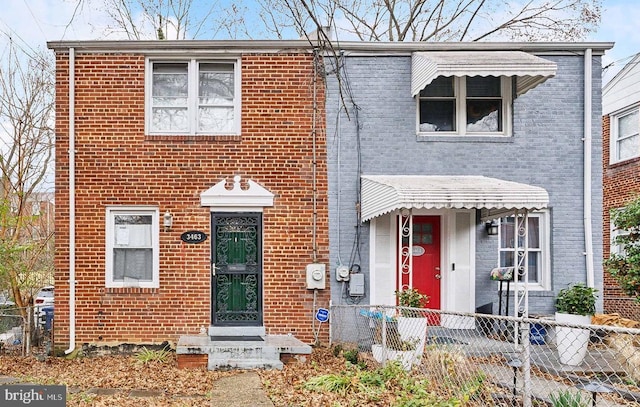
[(546, 150)]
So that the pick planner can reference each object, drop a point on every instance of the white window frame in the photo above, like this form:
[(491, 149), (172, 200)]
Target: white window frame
[(193, 103), (111, 212), (460, 92), (544, 278), (615, 248), (613, 133)]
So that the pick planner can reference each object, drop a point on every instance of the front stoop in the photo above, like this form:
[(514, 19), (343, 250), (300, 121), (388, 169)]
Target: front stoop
[(239, 354)]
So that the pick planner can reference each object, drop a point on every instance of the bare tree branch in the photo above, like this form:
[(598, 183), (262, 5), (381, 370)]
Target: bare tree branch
[(26, 147)]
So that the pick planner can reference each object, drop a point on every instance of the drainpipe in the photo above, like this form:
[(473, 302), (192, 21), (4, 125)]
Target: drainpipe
[(72, 204), (588, 238)]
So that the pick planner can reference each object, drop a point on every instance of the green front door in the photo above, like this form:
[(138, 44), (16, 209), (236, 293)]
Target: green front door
[(236, 270)]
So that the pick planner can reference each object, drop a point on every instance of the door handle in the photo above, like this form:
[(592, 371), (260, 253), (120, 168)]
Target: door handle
[(438, 276)]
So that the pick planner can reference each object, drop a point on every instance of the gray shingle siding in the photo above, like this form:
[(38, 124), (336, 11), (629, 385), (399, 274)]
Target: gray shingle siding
[(546, 150)]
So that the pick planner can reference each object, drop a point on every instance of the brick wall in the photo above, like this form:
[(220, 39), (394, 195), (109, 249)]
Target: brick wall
[(545, 150), (621, 185), (117, 164)]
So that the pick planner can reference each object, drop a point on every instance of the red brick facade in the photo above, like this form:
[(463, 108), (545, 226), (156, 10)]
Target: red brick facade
[(117, 164), (621, 185)]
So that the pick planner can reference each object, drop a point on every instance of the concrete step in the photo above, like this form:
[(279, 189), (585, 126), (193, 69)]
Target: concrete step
[(216, 363), (243, 350), (242, 354)]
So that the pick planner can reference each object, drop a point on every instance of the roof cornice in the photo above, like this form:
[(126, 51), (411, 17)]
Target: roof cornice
[(243, 46)]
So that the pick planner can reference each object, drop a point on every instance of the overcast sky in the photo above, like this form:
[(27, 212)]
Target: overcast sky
[(33, 22)]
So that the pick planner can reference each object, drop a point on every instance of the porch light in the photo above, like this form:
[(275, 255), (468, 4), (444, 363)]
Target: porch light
[(168, 221), (491, 227)]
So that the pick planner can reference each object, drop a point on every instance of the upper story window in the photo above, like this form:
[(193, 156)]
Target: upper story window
[(193, 97), (625, 137), (132, 258), (478, 105), (538, 268)]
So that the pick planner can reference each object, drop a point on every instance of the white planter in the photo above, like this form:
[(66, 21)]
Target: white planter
[(572, 343), (382, 355), (414, 331)]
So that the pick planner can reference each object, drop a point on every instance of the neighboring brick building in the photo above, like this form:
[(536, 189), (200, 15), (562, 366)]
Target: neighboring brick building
[(621, 168), (147, 133)]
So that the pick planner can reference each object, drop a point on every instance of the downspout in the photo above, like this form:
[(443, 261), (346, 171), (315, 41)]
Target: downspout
[(588, 238), (72, 204)]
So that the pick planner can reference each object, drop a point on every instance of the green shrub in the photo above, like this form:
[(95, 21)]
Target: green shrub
[(150, 355), (624, 265), (566, 398), (351, 356), (577, 299)]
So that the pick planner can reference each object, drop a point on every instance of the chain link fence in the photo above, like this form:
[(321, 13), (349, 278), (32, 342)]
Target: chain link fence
[(21, 335), (498, 360)]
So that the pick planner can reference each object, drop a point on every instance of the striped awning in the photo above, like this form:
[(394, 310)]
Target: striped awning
[(529, 70), (382, 194)]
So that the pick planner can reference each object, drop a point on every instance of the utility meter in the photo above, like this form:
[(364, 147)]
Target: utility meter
[(316, 276), (342, 273)]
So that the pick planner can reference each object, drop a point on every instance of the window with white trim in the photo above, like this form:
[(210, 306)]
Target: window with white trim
[(470, 105), (625, 135), (539, 272), (193, 97), (132, 258), (616, 247)]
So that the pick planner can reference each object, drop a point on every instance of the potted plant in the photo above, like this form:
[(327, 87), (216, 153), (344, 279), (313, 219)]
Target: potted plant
[(411, 298), (412, 324), (575, 305), (391, 346)]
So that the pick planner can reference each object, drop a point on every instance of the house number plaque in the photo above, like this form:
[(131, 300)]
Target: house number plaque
[(193, 236)]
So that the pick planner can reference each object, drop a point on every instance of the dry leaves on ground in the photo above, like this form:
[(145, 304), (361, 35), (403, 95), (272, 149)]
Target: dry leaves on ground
[(179, 387)]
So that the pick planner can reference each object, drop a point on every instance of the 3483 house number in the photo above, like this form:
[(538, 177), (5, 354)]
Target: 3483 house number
[(193, 236)]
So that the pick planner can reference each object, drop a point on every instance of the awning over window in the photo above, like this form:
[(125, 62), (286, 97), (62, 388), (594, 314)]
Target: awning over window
[(383, 194), (530, 70)]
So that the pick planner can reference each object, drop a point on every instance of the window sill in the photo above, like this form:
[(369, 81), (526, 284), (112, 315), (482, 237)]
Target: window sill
[(191, 138), (130, 290), (627, 161), (454, 138), (533, 287)]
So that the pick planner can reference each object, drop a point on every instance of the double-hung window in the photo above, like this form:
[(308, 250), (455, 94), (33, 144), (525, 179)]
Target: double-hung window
[(132, 258), (193, 97), (538, 266), (625, 135), (477, 105)]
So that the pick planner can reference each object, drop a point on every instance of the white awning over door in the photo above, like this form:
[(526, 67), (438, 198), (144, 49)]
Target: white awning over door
[(530, 70), (382, 194)]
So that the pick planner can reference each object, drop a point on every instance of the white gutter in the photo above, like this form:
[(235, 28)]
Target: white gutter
[(588, 238), (72, 204)]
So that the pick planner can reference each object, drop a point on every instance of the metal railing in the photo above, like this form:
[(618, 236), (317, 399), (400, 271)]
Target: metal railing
[(499, 360)]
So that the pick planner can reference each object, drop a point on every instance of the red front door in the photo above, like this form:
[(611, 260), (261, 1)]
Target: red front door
[(426, 260)]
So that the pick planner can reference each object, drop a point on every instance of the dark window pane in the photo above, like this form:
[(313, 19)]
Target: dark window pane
[(478, 86), (484, 115), (439, 87), (506, 259), (437, 115)]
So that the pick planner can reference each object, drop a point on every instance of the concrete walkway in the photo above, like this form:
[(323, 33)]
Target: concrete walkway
[(241, 390)]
